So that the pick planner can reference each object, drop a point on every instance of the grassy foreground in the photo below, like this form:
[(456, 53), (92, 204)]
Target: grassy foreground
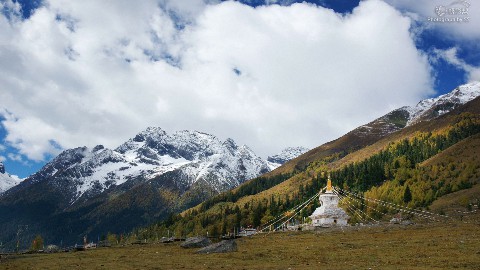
[(422, 246)]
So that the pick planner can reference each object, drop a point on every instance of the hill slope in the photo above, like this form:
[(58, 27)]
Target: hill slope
[(392, 122)]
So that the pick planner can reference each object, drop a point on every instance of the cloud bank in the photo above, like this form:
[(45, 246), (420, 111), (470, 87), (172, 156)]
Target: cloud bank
[(98, 72)]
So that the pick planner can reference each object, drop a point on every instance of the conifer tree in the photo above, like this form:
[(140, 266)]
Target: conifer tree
[(407, 195)]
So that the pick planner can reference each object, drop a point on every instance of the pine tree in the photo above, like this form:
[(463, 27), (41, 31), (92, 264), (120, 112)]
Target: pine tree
[(257, 215), (407, 195)]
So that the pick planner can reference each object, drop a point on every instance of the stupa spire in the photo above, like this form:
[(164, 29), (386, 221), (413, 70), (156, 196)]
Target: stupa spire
[(329, 185)]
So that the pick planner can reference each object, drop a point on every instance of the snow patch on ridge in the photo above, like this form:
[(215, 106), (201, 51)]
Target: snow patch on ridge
[(287, 154)]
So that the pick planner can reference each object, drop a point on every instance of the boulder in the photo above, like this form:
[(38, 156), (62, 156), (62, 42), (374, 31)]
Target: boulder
[(220, 247), (167, 239), (407, 222), (196, 242), (52, 249)]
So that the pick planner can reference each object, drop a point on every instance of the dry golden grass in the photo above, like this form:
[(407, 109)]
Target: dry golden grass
[(421, 246)]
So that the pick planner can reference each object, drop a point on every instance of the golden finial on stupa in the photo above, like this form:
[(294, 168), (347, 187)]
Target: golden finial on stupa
[(329, 184)]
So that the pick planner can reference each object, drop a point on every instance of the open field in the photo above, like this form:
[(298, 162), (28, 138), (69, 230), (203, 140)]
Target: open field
[(421, 246)]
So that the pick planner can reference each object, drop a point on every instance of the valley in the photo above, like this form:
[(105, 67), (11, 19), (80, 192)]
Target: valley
[(239, 134), (190, 183)]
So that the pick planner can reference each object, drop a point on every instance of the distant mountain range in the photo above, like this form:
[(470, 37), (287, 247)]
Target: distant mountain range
[(187, 157)]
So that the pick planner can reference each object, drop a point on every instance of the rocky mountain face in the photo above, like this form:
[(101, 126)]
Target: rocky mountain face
[(99, 190), (7, 181)]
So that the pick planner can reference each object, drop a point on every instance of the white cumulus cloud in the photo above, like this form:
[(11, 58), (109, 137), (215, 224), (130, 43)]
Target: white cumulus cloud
[(451, 56), (98, 72)]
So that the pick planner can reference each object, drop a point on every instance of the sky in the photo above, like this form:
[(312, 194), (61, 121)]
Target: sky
[(268, 74)]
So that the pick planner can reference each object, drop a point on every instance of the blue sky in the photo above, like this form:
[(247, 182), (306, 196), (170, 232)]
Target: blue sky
[(72, 79)]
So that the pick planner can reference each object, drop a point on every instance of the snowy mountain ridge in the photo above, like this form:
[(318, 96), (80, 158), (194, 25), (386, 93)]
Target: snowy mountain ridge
[(424, 110), (434, 107), (195, 156)]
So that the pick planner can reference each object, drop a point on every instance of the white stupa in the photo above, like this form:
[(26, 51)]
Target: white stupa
[(329, 214)]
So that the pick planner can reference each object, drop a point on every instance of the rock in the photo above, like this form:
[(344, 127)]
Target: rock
[(406, 222), (196, 242), (167, 239), (220, 247), (98, 148), (395, 220), (52, 249)]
